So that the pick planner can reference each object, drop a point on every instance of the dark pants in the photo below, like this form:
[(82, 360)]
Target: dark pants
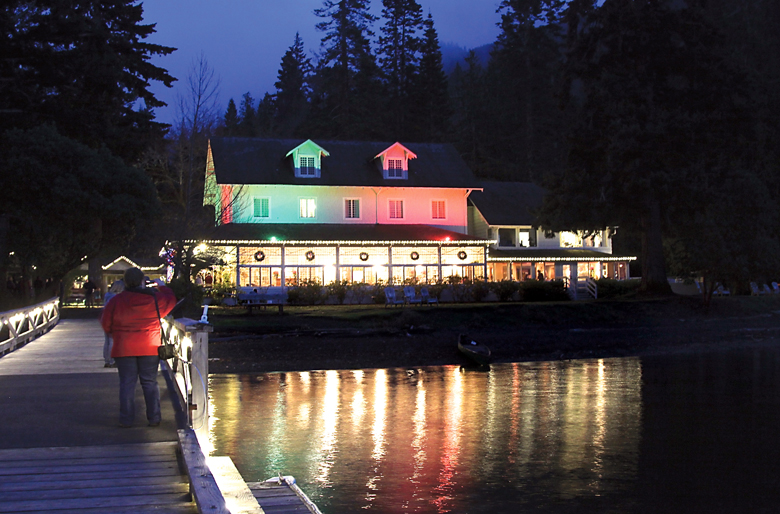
[(131, 370)]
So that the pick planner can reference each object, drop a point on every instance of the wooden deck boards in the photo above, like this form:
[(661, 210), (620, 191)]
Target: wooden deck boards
[(126, 478), (275, 498)]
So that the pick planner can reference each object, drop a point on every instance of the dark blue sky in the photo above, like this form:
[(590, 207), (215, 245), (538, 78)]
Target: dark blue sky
[(244, 40)]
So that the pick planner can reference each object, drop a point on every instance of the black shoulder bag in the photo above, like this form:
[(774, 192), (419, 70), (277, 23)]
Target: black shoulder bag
[(166, 350)]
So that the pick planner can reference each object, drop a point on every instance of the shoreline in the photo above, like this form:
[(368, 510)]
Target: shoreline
[(290, 352)]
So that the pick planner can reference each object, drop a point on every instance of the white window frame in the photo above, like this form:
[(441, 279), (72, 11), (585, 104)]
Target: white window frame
[(254, 207), (314, 169), (443, 214), (307, 208), (356, 202), (390, 209), (393, 172)]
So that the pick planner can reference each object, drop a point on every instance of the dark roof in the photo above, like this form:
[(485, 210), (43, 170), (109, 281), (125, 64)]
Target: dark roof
[(540, 254), (508, 203), (357, 233), (351, 163)]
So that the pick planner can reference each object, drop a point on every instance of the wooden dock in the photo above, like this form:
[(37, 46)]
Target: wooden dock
[(282, 496), (62, 450), (126, 478)]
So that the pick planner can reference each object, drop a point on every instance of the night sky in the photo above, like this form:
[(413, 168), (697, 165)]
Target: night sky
[(244, 40)]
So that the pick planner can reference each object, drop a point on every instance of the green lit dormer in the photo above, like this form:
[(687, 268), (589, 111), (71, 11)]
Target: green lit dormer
[(307, 159)]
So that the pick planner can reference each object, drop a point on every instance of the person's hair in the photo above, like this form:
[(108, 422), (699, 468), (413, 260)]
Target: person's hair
[(134, 277), (117, 287)]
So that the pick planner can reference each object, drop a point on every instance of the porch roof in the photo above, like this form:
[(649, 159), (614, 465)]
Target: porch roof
[(333, 233), (545, 255)]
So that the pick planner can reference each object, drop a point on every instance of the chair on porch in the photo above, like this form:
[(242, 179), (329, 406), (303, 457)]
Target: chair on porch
[(766, 289), (775, 288), (410, 296), (427, 298), (754, 290), (390, 298)]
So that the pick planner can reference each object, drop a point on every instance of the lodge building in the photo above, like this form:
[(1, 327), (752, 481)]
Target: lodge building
[(368, 212)]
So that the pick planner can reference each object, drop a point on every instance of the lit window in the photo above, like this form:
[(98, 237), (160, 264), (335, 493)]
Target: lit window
[(307, 167), (437, 210), (308, 207), (261, 208), (394, 168), (352, 208), (396, 209), (570, 239)]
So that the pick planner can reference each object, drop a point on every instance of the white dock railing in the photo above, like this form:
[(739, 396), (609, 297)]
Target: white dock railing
[(20, 326), (190, 369)]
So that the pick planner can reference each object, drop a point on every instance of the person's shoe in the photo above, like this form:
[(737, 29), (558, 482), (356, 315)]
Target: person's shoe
[(107, 365), (124, 425), (154, 424)]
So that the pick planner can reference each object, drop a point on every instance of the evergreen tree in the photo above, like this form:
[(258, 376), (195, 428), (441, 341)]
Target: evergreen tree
[(470, 125), (264, 116), (231, 119), (661, 125), (399, 47), (247, 126), (523, 78), (347, 82), (83, 65), (431, 110), (292, 90)]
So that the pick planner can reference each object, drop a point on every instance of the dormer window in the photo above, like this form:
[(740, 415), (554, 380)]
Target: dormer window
[(395, 162), (308, 168), (307, 159), (394, 168)]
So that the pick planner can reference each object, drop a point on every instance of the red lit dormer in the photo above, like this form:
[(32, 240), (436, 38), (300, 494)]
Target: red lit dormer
[(395, 161)]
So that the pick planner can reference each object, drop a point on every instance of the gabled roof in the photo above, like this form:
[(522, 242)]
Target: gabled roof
[(311, 146), (332, 232), (351, 163), (508, 203), (398, 146)]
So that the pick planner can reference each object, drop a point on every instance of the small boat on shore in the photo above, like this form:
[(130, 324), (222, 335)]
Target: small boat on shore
[(477, 352)]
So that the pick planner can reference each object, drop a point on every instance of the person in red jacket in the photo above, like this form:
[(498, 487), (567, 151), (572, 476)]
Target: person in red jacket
[(132, 320)]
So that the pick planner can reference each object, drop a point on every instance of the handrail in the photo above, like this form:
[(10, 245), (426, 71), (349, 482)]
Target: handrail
[(190, 368), (593, 287), (25, 324)]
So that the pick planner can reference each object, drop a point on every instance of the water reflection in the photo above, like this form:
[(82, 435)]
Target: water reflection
[(434, 439)]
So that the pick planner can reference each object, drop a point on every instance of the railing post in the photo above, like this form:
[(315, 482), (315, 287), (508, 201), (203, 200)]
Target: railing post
[(199, 371)]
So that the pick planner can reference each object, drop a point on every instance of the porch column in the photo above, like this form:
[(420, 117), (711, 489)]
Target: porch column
[(338, 268), (284, 278), (441, 278), (238, 266), (390, 264), (484, 265)]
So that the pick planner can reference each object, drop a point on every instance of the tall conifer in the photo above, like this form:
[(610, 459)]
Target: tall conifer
[(292, 89)]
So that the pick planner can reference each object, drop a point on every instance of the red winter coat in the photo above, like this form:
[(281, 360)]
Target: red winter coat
[(131, 319)]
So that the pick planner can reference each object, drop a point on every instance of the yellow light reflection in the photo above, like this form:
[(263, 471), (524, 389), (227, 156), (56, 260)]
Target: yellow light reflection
[(451, 449), (378, 432), (358, 401), (330, 419), (419, 430)]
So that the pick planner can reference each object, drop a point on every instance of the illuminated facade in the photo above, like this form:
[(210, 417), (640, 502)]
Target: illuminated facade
[(504, 213), (365, 212), (327, 211)]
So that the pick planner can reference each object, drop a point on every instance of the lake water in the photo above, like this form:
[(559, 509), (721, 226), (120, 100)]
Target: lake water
[(678, 433)]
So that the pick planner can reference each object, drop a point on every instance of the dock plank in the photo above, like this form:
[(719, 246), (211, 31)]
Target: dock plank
[(27, 485), (93, 503), (96, 492)]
